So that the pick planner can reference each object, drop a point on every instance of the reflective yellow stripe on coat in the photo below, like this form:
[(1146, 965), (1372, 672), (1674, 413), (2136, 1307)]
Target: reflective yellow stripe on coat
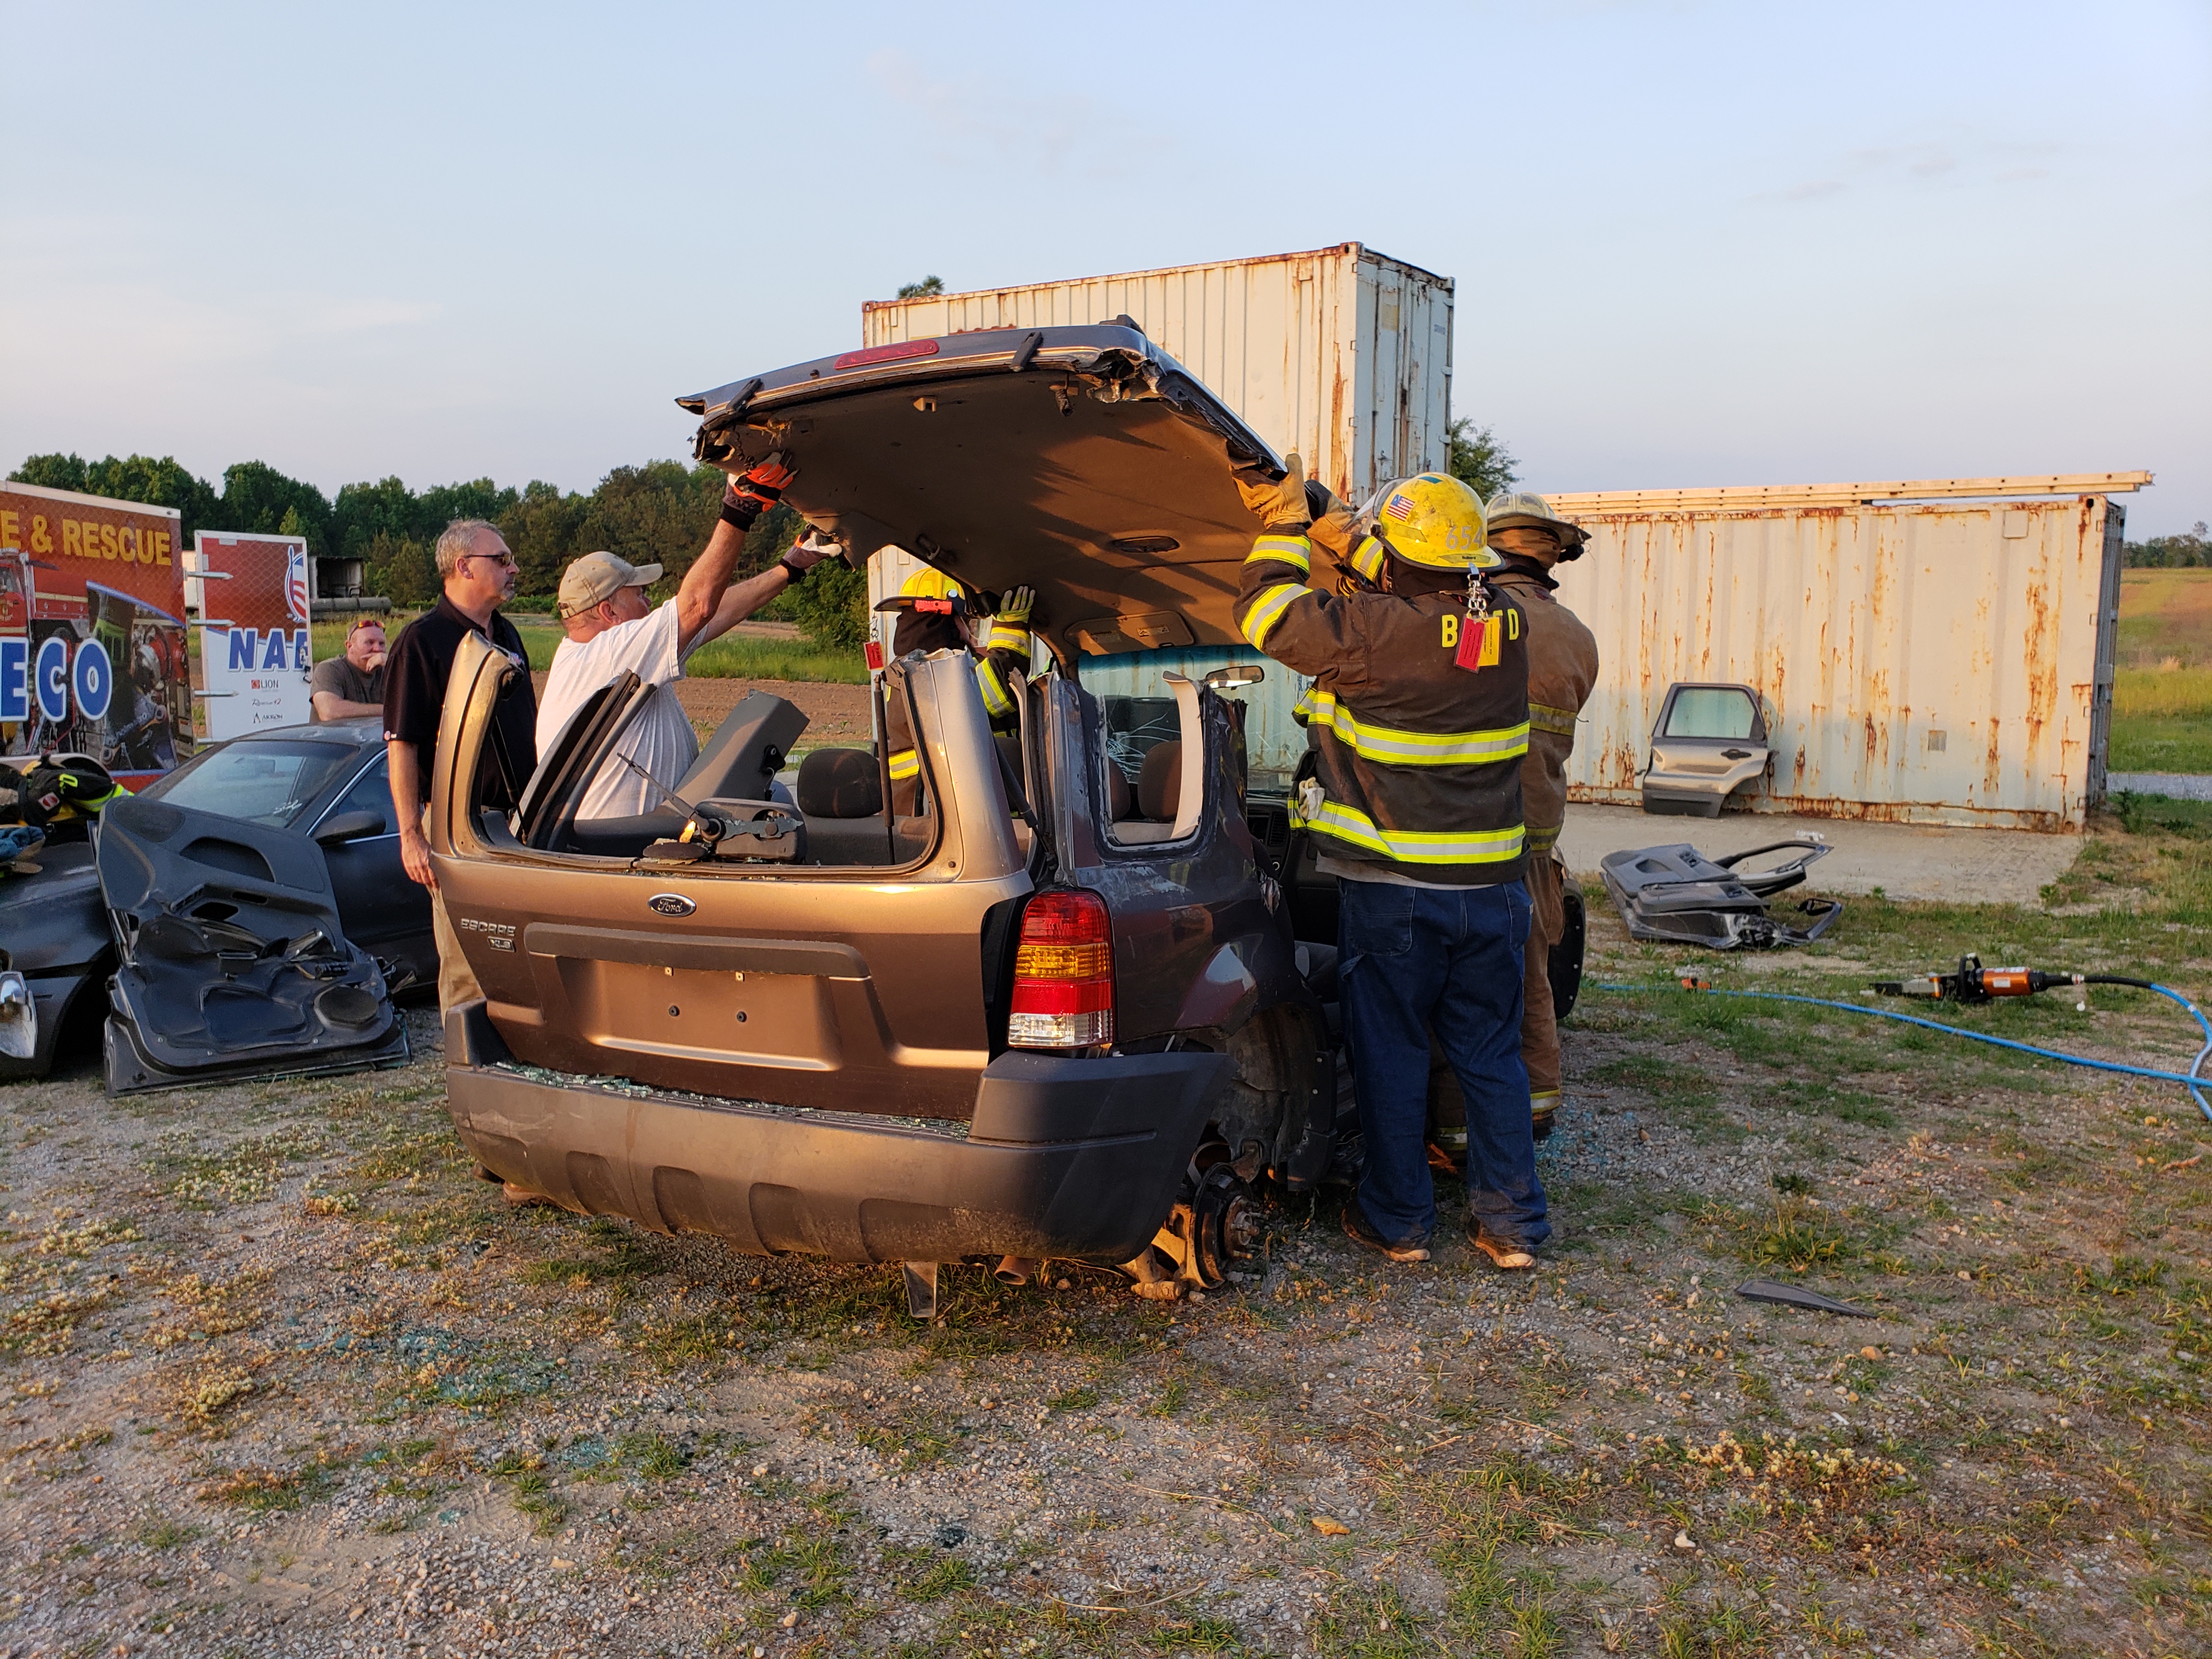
[(1267, 609), (1367, 559), (998, 701), (1354, 827), (905, 763), (1392, 747), (1281, 550), (1545, 718)]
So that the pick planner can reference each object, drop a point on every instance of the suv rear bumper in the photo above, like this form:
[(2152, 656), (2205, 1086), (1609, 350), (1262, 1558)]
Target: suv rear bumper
[(1073, 1158)]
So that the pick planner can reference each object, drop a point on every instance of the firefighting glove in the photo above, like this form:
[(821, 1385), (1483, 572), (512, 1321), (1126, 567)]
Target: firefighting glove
[(1332, 519), (806, 552), (760, 488), (1014, 609), (1278, 504)]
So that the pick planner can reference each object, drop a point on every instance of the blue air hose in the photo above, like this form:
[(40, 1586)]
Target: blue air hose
[(2194, 1080)]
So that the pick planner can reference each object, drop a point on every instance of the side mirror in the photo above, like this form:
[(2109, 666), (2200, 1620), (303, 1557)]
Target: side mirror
[(349, 826), (1236, 674)]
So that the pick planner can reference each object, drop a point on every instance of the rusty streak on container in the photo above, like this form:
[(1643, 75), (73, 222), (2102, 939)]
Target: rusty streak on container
[(1938, 662)]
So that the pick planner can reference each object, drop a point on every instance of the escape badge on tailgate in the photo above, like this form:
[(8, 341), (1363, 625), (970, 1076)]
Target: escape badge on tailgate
[(670, 904), (499, 935)]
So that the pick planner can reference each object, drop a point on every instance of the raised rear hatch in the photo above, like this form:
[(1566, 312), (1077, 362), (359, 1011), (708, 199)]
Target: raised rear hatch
[(1084, 462)]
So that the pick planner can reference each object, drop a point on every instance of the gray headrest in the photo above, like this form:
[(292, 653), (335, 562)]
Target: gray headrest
[(839, 783)]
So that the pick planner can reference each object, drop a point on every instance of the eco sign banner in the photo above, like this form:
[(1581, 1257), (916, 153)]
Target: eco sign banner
[(93, 659), (254, 644)]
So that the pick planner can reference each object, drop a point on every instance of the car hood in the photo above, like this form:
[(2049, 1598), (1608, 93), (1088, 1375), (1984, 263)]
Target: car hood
[(1085, 463)]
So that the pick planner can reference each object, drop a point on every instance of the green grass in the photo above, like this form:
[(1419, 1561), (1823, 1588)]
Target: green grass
[(2162, 699), (2166, 613), (2149, 743), (733, 657)]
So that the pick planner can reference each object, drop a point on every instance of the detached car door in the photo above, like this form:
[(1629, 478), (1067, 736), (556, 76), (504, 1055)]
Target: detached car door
[(233, 963)]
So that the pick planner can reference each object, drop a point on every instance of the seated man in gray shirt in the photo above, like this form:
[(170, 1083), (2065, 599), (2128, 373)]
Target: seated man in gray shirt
[(342, 687)]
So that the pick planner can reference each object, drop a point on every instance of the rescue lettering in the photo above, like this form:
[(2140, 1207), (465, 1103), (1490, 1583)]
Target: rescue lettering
[(86, 540)]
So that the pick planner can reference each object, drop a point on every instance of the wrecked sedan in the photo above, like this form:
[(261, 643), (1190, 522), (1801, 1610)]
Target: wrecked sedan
[(322, 787), (1056, 1011)]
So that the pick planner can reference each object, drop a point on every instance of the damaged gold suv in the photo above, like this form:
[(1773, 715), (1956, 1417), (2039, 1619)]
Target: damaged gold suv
[(1058, 1010)]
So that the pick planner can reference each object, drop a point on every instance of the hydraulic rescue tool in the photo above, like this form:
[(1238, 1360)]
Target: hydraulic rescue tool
[(1973, 983)]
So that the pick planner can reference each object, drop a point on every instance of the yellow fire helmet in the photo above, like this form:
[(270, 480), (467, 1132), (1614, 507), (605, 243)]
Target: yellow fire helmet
[(1435, 521), (928, 584)]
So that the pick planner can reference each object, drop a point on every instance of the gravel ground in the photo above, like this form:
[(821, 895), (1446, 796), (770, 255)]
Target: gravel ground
[(283, 1378)]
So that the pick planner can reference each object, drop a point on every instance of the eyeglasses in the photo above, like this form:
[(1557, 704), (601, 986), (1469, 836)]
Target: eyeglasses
[(506, 559)]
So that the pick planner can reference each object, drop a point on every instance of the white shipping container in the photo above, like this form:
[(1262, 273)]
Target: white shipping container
[(1340, 354), (1943, 659)]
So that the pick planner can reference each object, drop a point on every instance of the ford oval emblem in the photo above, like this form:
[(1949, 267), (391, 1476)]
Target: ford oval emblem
[(670, 904)]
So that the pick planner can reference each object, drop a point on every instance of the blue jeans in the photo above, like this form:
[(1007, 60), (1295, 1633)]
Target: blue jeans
[(1412, 960)]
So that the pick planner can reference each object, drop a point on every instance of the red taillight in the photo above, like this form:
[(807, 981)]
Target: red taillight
[(888, 354), (1063, 973)]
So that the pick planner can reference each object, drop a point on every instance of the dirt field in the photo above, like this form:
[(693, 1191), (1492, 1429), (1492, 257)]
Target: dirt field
[(837, 715), (284, 1378)]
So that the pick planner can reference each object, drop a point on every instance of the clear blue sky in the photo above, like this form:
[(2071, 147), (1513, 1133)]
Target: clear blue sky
[(1695, 243)]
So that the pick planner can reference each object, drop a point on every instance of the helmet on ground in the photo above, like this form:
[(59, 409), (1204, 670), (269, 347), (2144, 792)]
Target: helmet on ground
[(1435, 521), (67, 785), (1517, 509)]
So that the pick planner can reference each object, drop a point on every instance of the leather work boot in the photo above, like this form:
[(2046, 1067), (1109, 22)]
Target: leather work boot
[(1543, 1112), (1509, 1258), (1361, 1231)]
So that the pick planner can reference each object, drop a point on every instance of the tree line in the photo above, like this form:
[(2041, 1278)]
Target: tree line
[(660, 512), (2188, 550)]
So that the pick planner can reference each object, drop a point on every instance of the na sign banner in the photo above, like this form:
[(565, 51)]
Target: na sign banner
[(255, 644)]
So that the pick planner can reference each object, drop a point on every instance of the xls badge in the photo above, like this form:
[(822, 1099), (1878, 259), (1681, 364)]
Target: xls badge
[(670, 904)]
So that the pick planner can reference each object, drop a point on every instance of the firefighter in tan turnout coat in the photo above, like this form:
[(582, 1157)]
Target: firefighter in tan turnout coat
[(1562, 668)]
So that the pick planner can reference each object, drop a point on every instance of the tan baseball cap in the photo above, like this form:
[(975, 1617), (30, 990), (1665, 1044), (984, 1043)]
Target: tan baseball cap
[(598, 577)]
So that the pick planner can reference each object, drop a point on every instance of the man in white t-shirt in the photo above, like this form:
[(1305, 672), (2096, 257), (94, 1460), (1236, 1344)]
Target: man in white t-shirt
[(612, 631)]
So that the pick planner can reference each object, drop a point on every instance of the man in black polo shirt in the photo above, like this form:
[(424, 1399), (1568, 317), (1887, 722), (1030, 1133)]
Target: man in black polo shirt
[(478, 573)]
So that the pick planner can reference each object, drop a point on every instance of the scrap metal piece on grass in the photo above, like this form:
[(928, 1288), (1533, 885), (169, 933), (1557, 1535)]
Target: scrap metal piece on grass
[(920, 1289), (1790, 1296), (1676, 895)]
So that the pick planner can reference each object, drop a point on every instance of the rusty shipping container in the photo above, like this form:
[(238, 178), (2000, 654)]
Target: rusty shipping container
[(1938, 652), (1341, 353)]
